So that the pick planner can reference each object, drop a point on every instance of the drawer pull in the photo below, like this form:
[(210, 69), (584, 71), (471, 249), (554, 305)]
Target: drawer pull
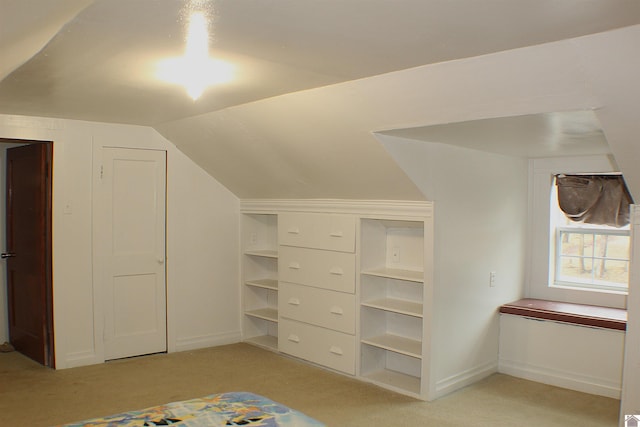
[(294, 338), (294, 301), (336, 350), (336, 234), (294, 266), (337, 271), (293, 230), (337, 310)]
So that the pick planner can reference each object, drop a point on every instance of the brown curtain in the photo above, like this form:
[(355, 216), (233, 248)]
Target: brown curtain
[(594, 199)]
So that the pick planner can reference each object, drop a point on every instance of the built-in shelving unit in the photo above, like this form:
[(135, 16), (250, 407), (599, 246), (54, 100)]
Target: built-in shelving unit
[(260, 279), (392, 305), (346, 285)]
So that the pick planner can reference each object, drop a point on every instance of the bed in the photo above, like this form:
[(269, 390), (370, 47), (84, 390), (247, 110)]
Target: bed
[(225, 409)]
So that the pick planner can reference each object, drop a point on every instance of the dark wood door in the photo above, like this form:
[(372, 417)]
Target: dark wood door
[(28, 253)]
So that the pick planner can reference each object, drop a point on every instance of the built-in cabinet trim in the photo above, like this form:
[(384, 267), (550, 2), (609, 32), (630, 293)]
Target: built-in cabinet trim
[(360, 208)]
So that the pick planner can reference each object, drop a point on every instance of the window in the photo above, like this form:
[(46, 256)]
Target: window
[(590, 243), (592, 257)]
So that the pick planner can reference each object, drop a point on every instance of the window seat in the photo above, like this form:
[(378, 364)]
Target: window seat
[(578, 314)]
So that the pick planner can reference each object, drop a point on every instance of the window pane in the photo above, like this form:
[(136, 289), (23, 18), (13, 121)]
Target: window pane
[(588, 244), (574, 244), (595, 258), (610, 246), (611, 271), (575, 269)]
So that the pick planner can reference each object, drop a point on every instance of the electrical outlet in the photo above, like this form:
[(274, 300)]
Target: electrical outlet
[(395, 254), (253, 238), (492, 279)]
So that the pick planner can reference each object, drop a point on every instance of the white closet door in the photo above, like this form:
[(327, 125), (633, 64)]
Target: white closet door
[(131, 230)]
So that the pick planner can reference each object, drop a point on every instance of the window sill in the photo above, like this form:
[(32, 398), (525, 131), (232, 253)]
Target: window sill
[(586, 288), (577, 314)]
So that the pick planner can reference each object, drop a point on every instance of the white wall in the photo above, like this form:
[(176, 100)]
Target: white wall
[(540, 175), (203, 258), (202, 240), (480, 202)]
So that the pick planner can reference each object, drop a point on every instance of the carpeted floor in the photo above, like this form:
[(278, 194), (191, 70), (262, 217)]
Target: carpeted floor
[(33, 396)]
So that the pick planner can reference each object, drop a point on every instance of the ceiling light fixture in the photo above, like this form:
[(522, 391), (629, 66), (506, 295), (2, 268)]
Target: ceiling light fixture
[(195, 70)]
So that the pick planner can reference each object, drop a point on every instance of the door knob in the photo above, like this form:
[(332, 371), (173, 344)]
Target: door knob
[(7, 255)]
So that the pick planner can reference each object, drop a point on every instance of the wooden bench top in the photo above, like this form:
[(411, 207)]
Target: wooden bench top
[(579, 314)]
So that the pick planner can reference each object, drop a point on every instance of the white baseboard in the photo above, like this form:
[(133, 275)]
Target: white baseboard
[(81, 358), (465, 378), (84, 358), (204, 341), (569, 380)]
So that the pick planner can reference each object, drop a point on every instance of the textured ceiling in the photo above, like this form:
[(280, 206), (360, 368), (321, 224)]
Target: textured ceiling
[(315, 81), (100, 66), (565, 133)]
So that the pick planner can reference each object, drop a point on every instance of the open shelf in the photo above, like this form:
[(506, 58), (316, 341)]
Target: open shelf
[(266, 341), (271, 284), (396, 273), (267, 253), (270, 314), (392, 370), (410, 308), (397, 344), (395, 381)]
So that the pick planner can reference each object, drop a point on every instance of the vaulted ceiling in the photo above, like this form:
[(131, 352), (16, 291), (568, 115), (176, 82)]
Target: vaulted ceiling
[(314, 80)]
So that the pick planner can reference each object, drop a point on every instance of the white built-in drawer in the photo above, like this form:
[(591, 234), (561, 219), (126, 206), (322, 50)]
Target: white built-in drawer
[(335, 350), (329, 309), (314, 267), (320, 231)]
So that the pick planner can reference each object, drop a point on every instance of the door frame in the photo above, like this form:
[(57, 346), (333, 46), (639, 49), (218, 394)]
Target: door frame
[(48, 221)]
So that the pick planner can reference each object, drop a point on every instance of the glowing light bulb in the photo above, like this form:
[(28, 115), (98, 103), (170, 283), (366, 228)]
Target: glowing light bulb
[(197, 37), (195, 70)]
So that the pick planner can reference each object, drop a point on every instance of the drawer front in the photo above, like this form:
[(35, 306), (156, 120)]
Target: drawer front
[(332, 349), (323, 269), (319, 231), (329, 309)]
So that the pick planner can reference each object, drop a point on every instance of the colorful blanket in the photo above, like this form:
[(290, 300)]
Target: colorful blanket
[(226, 409)]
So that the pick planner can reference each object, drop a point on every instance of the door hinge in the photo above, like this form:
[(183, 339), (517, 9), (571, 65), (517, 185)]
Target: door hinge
[(101, 172)]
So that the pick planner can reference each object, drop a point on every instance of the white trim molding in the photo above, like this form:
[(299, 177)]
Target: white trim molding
[(80, 358), (465, 378), (204, 341), (560, 378), (364, 208)]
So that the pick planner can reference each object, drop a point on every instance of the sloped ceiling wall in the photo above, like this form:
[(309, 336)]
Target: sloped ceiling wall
[(321, 143), (27, 26), (612, 64)]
